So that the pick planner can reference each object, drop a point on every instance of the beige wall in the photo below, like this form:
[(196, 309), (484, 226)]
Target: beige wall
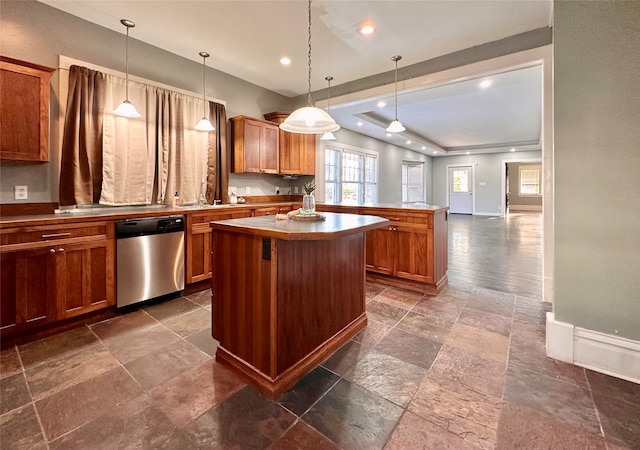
[(597, 165), (514, 186)]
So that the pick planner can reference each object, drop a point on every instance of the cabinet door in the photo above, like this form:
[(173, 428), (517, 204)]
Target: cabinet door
[(24, 111), (308, 154), (380, 250), (85, 277), (414, 253), (198, 254), (269, 149), (27, 289), (251, 146)]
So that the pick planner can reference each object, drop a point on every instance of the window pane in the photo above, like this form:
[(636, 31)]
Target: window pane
[(351, 192), (529, 181), (352, 167), (460, 180), (412, 182)]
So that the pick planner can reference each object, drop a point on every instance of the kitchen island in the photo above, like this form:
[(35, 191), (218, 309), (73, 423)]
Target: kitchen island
[(287, 294)]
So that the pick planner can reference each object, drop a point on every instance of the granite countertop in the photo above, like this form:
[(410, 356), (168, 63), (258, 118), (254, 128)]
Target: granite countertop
[(404, 206), (121, 212), (334, 226)]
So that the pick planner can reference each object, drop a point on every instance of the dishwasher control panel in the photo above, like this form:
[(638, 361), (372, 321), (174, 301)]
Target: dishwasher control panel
[(147, 226)]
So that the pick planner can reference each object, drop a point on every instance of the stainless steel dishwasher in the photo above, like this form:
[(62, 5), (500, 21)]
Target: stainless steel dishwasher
[(150, 258)]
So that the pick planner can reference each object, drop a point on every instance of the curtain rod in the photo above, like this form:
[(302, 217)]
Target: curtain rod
[(65, 63)]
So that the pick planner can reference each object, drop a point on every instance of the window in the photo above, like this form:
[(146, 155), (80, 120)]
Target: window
[(413, 182), (529, 181), (350, 175)]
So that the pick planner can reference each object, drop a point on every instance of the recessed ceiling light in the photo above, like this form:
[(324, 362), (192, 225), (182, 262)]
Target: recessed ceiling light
[(389, 134), (468, 153), (382, 104), (485, 83), (285, 61), (435, 152), (360, 123), (513, 149), (408, 142), (367, 29)]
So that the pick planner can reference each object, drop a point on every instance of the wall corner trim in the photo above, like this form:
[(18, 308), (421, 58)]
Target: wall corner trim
[(605, 353)]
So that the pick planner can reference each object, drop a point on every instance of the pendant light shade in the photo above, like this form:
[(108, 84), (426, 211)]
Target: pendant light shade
[(309, 119), (396, 126), (126, 108), (204, 124), (328, 136)]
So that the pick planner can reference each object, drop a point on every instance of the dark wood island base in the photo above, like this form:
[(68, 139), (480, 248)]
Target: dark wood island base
[(286, 294)]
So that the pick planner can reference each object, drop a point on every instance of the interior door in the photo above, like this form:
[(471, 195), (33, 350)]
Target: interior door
[(461, 190)]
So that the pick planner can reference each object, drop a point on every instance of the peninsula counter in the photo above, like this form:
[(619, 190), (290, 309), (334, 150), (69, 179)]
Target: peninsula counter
[(287, 294)]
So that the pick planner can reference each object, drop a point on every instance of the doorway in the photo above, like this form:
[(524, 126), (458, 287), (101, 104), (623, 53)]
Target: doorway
[(460, 189)]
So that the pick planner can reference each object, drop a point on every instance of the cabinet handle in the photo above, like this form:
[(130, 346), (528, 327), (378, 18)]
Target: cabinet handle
[(397, 219), (44, 236), (52, 250), (60, 249), (266, 214)]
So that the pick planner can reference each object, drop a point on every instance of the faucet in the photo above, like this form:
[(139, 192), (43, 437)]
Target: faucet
[(217, 202)]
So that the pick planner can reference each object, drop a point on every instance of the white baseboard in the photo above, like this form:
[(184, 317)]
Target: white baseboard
[(611, 355), (487, 214), (536, 208)]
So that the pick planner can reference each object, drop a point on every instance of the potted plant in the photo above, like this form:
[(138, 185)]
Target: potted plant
[(308, 200)]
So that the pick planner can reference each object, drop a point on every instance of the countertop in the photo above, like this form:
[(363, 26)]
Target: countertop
[(334, 226), (128, 212), (404, 206), (122, 212)]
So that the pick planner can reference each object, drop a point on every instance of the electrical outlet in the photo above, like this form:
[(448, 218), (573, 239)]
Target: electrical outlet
[(233, 189), (20, 193), (247, 190), (277, 190), (295, 189)]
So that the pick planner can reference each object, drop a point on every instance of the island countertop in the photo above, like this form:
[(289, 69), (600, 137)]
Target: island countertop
[(334, 226)]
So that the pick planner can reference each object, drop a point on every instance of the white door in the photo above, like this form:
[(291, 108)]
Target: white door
[(461, 190)]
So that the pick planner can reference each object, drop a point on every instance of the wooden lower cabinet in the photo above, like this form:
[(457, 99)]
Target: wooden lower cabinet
[(198, 242), (409, 253), (85, 277), (55, 282), (415, 253), (380, 245), (27, 289)]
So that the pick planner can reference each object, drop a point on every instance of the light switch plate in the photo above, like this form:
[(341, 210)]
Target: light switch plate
[(247, 190), (20, 193)]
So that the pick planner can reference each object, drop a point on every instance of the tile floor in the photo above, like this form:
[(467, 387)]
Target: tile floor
[(465, 369)]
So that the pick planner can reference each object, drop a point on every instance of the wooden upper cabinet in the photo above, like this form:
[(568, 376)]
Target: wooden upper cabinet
[(24, 110), (255, 145), (297, 151)]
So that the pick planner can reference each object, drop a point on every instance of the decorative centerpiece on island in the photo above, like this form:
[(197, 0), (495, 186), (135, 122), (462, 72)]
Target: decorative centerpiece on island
[(308, 200)]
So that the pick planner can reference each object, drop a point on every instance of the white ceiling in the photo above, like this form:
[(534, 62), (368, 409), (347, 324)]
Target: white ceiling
[(247, 39)]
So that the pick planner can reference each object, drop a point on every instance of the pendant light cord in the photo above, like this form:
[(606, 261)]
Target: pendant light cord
[(309, 57), (204, 86), (328, 93), (127, 65), (396, 58)]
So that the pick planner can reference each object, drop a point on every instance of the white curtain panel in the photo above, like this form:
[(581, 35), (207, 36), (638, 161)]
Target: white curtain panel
[(164, 135)]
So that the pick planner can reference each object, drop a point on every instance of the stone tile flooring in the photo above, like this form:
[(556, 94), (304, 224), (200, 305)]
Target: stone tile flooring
[(465, 369)]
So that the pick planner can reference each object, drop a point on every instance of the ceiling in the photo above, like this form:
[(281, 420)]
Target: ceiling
[(247, 39)]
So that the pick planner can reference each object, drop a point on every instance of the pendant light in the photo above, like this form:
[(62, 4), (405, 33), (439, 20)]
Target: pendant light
[(204, 124), (396, 126), (328, 136), (126, 108), (309, 119)]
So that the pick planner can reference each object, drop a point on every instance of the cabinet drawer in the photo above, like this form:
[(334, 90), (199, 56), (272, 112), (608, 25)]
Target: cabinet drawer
[(401, 217), (265, 212), (26, 237), (204, 219)]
